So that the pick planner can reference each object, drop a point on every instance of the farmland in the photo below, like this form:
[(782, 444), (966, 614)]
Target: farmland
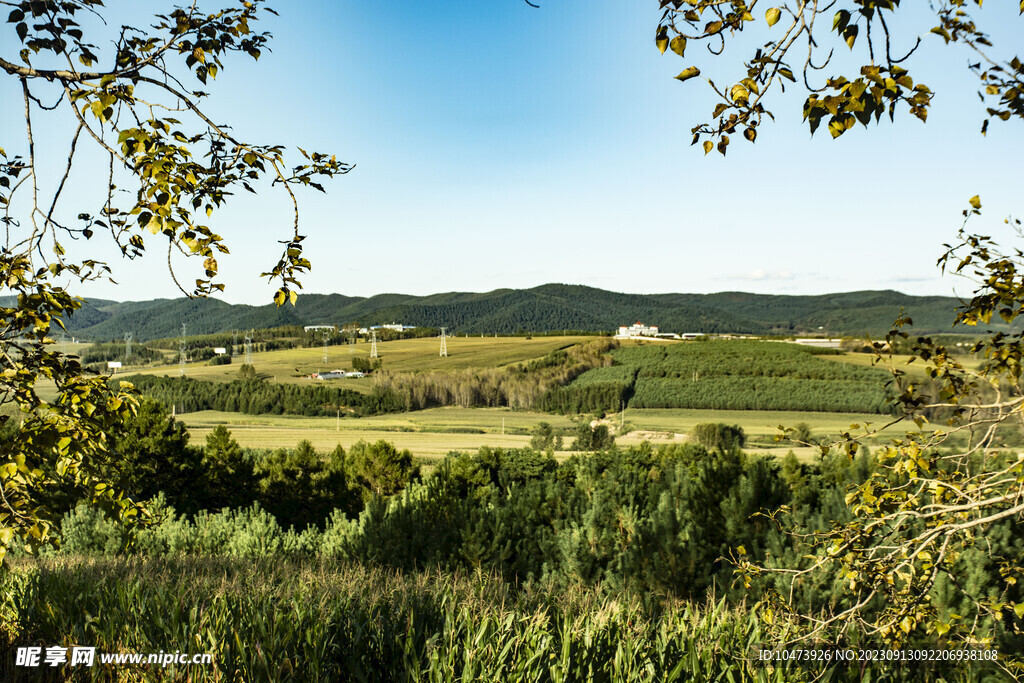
[(433, 433), (644, 368), (725, 375), (406, 355)]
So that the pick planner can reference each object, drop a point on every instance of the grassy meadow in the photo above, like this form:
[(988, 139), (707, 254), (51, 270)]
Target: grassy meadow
[(916, 369)]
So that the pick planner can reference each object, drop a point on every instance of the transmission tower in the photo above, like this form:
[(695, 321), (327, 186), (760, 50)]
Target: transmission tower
[(326, 335), (127, 346), (234, 343), (181, 352), (444, 343), (248, 347), (373, 346)]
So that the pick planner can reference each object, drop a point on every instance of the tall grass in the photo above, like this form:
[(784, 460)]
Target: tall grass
[(319, 621)]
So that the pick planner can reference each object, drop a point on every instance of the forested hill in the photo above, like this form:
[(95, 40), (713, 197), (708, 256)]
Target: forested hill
[(545, 308)]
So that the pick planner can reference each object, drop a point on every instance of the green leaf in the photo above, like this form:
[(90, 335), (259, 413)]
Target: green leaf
[(840, 21)]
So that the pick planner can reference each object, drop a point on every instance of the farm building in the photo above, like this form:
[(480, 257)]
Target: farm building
[(637, 330)]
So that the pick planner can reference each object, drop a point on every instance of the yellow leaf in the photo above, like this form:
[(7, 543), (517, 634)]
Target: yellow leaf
[(976, 201), (773, 15), (688, 73)]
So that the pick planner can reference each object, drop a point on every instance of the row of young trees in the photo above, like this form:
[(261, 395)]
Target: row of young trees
[(257, 397), (585, 398), (718, 358), (722, 375), (761, 393)]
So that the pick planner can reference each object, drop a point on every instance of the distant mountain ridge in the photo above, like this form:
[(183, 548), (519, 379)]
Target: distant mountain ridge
[(545, 308)]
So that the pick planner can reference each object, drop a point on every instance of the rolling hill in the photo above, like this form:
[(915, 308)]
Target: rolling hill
[(550, 307)]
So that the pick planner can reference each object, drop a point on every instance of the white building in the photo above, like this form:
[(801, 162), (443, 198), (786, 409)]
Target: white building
[(314, 328), (637, 330), (338, 374)]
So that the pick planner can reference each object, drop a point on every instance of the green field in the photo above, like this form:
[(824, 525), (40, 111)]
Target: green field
[(404, 355), (917, 369), (428, 434)]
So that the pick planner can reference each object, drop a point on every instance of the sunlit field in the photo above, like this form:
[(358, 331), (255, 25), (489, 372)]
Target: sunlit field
[(403, 355), (433, 433)]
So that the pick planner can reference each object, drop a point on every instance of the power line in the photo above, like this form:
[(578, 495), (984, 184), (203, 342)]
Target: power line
[(181, 352), (248, 347)]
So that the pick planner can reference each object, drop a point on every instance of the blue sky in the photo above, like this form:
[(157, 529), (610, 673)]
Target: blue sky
[(499, 145)]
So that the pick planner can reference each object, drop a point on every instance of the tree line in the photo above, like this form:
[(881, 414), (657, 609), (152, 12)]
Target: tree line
[(519, 386), (257, 397)]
